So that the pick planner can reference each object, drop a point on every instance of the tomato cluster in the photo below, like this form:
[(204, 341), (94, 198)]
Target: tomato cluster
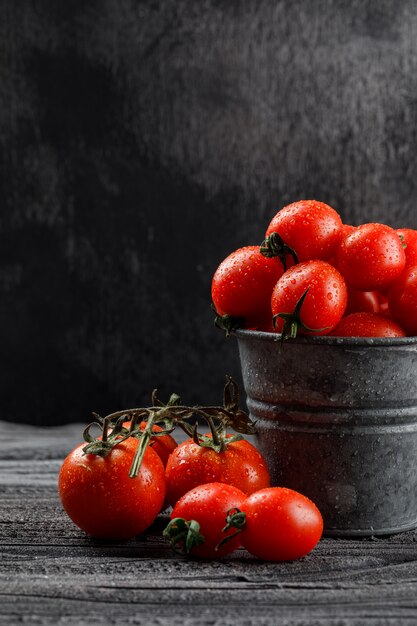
[(221, 498), (102, 500), (314, 275), (273, 524)]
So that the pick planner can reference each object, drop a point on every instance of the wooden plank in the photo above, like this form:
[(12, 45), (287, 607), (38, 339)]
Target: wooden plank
[(23, 441), (52, 573)]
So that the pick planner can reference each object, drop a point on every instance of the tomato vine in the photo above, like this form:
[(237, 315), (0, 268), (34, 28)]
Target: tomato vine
[(169, 416)]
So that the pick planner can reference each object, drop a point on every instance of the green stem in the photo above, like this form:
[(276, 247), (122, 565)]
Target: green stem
[(183, 535), (105, 430), (235, 519), (274, 246), (168, 417), (144, 441)]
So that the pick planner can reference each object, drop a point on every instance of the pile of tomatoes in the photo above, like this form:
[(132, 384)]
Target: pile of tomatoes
[(315, 275), (221, 500)]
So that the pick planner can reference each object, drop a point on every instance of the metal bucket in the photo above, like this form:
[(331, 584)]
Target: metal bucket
[(337, 421)]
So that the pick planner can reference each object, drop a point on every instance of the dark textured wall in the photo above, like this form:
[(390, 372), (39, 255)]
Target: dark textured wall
[(141, 142)]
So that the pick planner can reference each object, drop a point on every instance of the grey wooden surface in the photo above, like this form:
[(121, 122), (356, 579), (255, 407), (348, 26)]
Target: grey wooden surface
[(51, 573)]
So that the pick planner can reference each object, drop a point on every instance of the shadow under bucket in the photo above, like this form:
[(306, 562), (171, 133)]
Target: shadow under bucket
[(337, 421)]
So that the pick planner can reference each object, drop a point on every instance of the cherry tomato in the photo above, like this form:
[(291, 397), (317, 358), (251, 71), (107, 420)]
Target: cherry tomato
[(402, 300), (367, 325), (102, 500), (324, 303), (371, 257), (242, 286), (408, 237), (190, 465), (383, 304), (346, 230), (207, 505), (362, 301), (163, 445), (281, 524), (311, 228)]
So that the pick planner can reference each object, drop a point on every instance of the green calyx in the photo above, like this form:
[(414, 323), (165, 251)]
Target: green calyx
[(235, 519), (292, 321), (228, 323), (274, 246), (111, 435), (183, 535)]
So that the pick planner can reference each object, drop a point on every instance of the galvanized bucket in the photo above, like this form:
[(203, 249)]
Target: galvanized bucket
[(337, 421)]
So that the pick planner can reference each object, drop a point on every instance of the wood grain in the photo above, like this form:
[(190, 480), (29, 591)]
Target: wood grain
[(51, 573)]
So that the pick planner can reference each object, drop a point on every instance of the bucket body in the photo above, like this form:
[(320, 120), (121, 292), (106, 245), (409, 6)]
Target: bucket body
[(337, 421)]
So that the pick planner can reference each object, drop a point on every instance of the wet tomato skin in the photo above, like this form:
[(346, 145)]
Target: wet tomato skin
[(101, 499), (362, 301), (242, 286), (402, 300), (311, 228), (325, 301), (383, 305), (163, 445), (371, 257), (208, 505), (408, 238), (190, 465), (367, 325), (281, 524), (346, 230)]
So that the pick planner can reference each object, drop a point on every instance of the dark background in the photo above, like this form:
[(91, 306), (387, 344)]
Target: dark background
[(141, 142)]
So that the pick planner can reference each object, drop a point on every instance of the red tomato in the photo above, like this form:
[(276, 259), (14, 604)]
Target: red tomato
[(208, 506), (102, 500), (190, 465), (281, 524), (324, 303), (408, 238), (367, 325), (371, 257), (311, 228), (346, 230), (242, 286), (163, 446), (383, 305), (402, 300), (362, 301)]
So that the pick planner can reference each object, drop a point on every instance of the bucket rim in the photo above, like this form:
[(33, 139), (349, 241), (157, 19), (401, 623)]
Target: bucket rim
[(257, 335)]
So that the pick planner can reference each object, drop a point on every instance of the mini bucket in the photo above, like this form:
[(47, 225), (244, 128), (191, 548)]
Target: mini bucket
[(337, 421)]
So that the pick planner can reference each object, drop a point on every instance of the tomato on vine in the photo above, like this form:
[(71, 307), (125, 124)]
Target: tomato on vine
[(113, 485), (100, 498), (191, 464), (163, 445)]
